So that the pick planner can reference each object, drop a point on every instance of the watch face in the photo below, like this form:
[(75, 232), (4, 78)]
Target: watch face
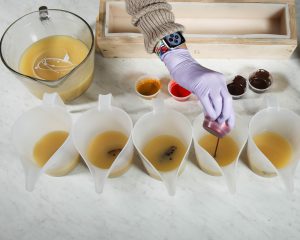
[(174, 39)]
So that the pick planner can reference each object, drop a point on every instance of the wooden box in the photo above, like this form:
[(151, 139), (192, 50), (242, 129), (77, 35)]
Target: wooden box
[(214, 29)]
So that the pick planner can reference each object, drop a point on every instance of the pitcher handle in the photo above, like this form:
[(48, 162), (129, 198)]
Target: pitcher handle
[(271, 101), (43, 13), (158, 105), (104, 102), (53, 99)]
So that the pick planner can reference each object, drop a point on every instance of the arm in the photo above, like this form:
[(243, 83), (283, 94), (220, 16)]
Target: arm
[(155, 20)]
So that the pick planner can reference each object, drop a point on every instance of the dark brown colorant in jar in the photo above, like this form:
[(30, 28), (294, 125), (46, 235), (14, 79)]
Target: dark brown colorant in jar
[(235, 89), (237, 86), (261, 79)]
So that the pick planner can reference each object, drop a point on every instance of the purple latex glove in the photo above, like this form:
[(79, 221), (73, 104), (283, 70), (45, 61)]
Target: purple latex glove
[(209, 86)]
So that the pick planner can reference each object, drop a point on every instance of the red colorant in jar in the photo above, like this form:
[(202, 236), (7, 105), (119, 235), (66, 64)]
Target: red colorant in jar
[(179, 91)]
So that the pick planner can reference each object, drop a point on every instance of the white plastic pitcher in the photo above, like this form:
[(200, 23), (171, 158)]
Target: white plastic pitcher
[(162, 121), (96, 121), (207, 163), (283, 122), (32, 126)]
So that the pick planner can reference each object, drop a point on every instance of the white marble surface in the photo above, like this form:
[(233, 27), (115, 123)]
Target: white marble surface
[(135, 206)]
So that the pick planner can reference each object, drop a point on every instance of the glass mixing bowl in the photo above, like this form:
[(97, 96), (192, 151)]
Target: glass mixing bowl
[(40, 24)]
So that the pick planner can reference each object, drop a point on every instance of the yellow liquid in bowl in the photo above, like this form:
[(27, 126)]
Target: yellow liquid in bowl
[(275, 147), (47, 145), (227, 150), (53, 57), (105, 148), (165, 152)]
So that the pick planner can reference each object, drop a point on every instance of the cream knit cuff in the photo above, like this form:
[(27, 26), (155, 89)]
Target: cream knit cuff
[(154, 19)]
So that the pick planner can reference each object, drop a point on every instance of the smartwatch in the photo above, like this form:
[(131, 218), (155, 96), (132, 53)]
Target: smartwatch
[(168, 43)]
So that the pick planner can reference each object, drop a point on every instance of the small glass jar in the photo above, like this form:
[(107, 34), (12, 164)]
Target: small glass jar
[(215, 128), (260, 81)]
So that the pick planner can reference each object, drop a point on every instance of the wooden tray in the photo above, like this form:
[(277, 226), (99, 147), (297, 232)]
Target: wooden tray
[(214, 29)]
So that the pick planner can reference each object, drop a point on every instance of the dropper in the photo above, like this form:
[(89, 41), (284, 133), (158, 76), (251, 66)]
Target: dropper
[(217, 129)]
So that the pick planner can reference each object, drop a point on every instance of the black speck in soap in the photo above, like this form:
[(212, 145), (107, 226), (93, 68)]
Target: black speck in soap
[(168, 153), (114, 152)]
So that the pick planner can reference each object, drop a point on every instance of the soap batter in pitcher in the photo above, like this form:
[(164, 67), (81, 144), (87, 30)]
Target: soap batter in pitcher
[(165, 152), (275, 147), (105, 148), (224, 150), (46, 147), (53, 57)]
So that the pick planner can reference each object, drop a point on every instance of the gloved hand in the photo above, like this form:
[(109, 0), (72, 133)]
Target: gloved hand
[(209, 86)]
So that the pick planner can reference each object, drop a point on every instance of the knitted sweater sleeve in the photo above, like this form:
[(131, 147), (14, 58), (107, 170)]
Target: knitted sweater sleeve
[(154, 19)]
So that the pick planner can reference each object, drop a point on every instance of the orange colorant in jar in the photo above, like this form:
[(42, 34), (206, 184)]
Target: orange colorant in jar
[(148, 86)]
